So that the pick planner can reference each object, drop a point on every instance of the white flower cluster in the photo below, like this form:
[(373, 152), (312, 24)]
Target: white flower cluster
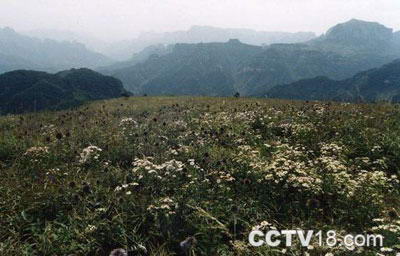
[(146, 169), (172, 165), (291, 166), (165, 205), (126, 187), (264, 226), (180, 125), (386, 225), (90, 153), (36, 151), (288, 166), (127, 122), (48, 130)]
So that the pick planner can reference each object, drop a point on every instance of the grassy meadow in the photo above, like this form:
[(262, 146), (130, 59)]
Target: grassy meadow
[(165, 176)]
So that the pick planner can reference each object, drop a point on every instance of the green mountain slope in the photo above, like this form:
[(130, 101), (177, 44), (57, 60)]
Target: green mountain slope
[(25, 91), (280, 64), (193, 69), (380, 84)]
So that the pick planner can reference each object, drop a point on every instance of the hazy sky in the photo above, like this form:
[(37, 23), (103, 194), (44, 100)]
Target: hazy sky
[(119, 19)]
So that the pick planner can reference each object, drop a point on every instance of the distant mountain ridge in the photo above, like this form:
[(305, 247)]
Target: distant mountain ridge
[(45, 55), (221, 69), (379, 84), (91, 42), (211, 68), (8, 63), (145, 54), (279, 64), (27, 91), (204, 34)]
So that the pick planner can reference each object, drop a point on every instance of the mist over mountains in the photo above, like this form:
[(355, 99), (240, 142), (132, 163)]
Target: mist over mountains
[(356, 37), (124, 49), (23, 52), (142, 56), (204, 34), (190, 69), (338, 65), (91, 42), (220, 69)]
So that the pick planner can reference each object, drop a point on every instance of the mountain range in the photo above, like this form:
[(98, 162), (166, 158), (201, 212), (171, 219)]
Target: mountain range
[(220, 69), (330, 67), (142, 56), (28, 91), (18, 51), (203, 34), (91, 42), (195, 69), (380, 84)]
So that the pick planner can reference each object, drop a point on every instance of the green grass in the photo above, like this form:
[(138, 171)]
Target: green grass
[(163, 169)]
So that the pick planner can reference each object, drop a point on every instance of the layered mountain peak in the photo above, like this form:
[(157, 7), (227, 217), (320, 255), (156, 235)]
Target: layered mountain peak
[(359, 31), (357, 35), (361, 38)]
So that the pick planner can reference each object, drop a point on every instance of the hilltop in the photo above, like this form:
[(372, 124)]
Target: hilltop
[(357, 37), (27, 91), (380, 84)]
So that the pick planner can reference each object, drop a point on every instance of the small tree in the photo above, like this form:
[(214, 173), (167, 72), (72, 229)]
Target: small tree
[(236, 95)]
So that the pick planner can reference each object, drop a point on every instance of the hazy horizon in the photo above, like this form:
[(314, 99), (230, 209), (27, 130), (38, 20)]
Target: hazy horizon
[(123, 19)]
